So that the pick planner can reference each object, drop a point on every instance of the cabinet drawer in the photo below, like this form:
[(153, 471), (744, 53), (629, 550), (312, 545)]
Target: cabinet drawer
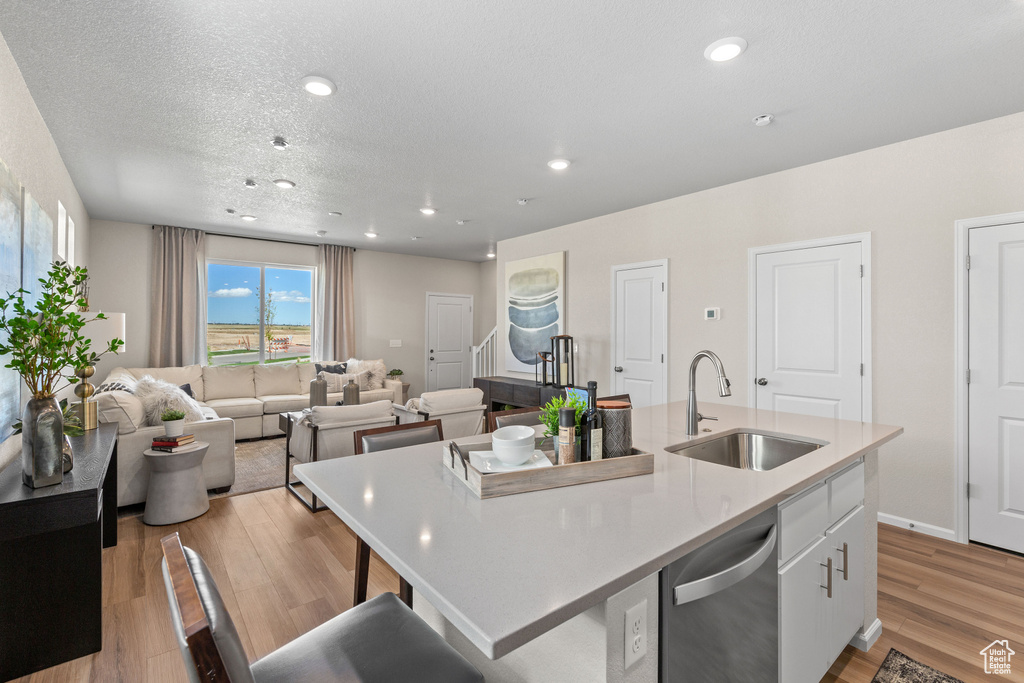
[(501, 391), (526, 396), (846, 491), (801, 521)]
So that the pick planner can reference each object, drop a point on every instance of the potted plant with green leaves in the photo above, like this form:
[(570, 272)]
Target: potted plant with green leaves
[(549, 415), (395, 374), (43, 337), (174, 422)]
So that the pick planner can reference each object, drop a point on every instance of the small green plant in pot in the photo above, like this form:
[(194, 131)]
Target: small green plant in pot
[(395, 373), (174, 422), (549, 412)]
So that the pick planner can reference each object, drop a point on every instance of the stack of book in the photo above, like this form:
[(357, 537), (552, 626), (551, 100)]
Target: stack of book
[(173, 444)]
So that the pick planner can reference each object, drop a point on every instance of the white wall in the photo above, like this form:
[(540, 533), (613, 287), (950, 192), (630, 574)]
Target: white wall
[(28, 149), (907, 194), (391, 303), (485, 315), (390, 291)]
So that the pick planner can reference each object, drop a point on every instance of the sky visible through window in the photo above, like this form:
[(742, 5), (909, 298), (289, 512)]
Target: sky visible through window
[(232, 294)]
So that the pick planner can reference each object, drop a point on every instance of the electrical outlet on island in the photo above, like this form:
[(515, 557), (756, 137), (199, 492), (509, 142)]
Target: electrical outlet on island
[(635, 640)]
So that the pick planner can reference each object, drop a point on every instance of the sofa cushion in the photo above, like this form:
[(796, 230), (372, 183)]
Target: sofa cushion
[(123, 408), (237, 407), (306, 374), (450, 399), (376, 367), (333, 414), (279, 378), (190, 374), (337, 368), (229, 382), (284, 403)]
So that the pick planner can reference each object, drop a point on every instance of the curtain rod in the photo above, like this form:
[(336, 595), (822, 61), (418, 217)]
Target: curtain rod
[(260, 239)]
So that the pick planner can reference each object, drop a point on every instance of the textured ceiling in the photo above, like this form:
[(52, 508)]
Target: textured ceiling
[(162, 109)]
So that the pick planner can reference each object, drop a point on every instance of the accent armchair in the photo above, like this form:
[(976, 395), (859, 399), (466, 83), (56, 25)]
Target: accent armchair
[(461, 411)]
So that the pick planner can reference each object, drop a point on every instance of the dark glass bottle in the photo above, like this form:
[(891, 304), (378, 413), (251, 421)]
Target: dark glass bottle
[(592, 427)]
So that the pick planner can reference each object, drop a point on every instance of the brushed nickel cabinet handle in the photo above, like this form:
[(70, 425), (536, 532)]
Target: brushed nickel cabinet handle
[(845, 550), (828, 581)]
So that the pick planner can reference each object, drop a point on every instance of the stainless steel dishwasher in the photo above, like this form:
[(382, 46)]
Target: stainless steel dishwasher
[(719, 608)]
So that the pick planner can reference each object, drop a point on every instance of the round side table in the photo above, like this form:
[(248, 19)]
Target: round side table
[(177, 488)]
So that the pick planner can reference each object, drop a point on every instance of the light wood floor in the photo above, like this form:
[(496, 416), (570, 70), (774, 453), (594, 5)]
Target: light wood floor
[(283, 570), (941, 602)]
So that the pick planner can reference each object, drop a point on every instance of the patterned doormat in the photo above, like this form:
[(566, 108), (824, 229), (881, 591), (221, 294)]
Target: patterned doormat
[(899, 668)]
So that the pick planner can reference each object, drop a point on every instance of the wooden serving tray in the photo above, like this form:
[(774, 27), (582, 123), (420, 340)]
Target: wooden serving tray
[(497, 484)]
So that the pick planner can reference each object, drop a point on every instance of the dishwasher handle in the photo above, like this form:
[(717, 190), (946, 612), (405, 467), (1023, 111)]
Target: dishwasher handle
[(701, 588)]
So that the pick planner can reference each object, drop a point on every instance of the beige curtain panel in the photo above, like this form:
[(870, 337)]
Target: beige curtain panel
[(178, 312), (335, 337)]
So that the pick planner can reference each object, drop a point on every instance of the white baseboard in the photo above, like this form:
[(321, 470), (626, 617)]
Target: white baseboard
[(865, 638), (921, 527)]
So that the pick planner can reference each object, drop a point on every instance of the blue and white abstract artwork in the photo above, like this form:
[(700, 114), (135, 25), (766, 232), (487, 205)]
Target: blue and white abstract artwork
[(535, 296)]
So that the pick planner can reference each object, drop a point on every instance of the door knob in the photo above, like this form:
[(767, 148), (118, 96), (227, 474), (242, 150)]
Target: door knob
[(761, 381), (618, 368), (431, 358)]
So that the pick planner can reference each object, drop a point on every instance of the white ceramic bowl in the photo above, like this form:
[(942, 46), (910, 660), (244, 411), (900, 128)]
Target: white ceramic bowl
[(513, 445)]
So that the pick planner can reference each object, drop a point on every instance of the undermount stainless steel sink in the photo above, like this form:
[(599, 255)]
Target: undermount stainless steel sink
[(748, 449)]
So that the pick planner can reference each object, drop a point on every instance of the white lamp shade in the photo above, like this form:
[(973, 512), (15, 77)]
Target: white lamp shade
[(102, 331)]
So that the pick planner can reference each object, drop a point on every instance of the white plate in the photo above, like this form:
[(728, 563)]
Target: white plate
[(488, 463)]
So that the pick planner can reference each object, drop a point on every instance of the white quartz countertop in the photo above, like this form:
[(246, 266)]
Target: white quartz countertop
[(505, 570)]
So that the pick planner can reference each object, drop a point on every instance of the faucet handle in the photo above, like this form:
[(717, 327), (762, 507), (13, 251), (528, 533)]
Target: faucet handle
[(705, 417)]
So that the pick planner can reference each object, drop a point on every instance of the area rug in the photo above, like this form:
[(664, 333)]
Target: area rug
[(899, 668), (259, 465)]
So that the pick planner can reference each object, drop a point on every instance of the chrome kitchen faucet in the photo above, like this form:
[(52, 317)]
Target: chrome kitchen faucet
[(692, 416)]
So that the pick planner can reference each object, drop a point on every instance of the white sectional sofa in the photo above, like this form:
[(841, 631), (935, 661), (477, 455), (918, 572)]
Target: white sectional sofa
[(239, 402)]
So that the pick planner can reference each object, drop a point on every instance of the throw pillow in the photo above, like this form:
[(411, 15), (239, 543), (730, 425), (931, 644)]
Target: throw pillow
[(336, 368), (187, 388), (376, 368), (115, 386), (157, 396), (336, 383)]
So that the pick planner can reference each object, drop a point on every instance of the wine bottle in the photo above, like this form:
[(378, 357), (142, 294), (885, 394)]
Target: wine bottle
[(592, 426)]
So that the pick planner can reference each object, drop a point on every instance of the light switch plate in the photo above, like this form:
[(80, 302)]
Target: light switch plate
[(635, 636), (396, 343)]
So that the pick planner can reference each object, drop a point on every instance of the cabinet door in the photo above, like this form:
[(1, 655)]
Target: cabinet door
[(803, 616), (848, 590)]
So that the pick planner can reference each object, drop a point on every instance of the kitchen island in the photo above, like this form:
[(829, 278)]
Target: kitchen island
[(507, 570)]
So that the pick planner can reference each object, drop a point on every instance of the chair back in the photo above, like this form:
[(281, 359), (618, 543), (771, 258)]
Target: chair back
[(398, 436), (207, 637), (516, 416)]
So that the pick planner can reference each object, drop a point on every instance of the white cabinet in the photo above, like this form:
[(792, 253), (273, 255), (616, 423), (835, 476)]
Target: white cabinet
[(821, 586)]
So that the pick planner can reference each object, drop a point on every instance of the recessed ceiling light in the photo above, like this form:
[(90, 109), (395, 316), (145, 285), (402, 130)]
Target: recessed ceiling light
[(427, 211), (247, 217), (279, 142), (559, 164), (316, 85), (250, 183), (286, 184), (414, 238), (371, 235), (764, 119), (461, 221), (523, 202), (321, 233), (725, 49), (334, 213), (490, 254)]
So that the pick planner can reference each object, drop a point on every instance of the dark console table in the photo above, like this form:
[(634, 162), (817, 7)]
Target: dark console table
[(513, 391), (51, 575)]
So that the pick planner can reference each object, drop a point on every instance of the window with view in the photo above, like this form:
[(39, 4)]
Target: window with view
[(258, 314)]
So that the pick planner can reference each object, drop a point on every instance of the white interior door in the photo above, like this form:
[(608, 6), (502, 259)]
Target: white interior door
[(449, 341), (640, 324), (995, 394), (808, 331)]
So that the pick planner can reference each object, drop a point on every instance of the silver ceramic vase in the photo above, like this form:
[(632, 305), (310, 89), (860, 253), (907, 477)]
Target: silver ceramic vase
[(42, 443)]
